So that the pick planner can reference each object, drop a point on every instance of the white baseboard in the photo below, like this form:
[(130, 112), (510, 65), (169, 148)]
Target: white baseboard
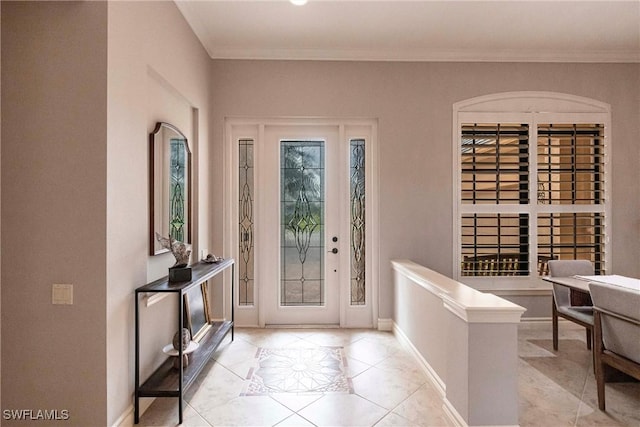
[(431, 374), (456, 418), (450, 411), (385, 325), (126, 419), (453, 414)]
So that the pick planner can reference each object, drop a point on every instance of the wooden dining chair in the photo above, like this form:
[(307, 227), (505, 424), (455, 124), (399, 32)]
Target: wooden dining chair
[(616, 332), (500, 265), (561, 297)]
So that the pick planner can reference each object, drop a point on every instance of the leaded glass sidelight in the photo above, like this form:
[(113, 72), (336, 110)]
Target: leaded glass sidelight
[(302, 223), (357, 221), (177, 189), (245, 222)]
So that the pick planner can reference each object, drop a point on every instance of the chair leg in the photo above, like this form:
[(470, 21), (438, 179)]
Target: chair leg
[(589, 338), (554, 321), (592, 347), (597, 363), (600, 385)]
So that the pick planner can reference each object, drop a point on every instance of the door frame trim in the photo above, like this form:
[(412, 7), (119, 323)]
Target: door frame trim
[(236, 128)]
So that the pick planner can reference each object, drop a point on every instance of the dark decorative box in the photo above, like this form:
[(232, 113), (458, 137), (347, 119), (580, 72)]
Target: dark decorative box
[(179, 274)]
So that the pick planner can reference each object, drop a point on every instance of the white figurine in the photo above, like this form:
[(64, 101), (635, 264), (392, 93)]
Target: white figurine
[(181, 251)]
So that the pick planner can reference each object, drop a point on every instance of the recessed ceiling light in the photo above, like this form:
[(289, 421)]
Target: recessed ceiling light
[(298, 2)]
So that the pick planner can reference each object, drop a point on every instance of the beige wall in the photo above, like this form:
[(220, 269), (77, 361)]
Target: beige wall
[(158, 71), (54, 164), (87, 82), (413, 102), (77, 84)]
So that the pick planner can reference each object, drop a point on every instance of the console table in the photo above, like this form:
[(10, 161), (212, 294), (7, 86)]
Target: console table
[(167, 381)]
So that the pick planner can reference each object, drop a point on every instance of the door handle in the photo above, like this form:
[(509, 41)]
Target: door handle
[(334, 251)]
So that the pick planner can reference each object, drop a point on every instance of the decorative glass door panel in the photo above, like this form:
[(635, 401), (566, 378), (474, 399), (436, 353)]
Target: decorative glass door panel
[(302, 216), (300, 202), (245, 222), (357, 223), (302, 223)]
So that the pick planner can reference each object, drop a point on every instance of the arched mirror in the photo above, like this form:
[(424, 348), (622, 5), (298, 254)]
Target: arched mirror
[(170, 186)]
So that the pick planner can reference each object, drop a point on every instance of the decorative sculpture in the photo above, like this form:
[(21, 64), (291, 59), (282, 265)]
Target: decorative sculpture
[(181, 251), (185, 338), (179, 272)]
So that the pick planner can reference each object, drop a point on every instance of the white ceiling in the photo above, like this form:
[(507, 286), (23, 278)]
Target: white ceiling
[(405, 30)]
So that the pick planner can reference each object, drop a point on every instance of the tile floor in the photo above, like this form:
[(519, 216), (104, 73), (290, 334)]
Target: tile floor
[(556, 389)]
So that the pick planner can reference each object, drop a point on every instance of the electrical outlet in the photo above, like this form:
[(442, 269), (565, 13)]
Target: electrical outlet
[(62, 294)]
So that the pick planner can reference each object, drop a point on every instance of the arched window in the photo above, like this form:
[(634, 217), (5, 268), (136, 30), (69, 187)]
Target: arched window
[(531, 182)]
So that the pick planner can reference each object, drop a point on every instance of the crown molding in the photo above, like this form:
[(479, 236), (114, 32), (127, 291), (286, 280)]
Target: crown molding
[(407, 55)]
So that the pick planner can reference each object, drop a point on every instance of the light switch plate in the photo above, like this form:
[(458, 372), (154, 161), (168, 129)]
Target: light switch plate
[(62, 294)]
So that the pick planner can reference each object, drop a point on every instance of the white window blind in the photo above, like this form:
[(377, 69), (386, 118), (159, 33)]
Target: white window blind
[(530, 192)]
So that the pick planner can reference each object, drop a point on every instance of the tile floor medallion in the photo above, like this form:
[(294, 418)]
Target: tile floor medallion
[(298, 370)]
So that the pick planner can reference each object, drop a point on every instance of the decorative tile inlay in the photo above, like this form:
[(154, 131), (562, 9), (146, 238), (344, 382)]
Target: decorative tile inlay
[(298, 370)]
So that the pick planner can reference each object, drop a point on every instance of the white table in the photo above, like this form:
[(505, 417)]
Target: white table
[(581, 283), (571, 282), (615, 280)]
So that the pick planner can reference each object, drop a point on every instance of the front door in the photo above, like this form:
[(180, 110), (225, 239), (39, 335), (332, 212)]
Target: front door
[(302, 218), (301, 168)]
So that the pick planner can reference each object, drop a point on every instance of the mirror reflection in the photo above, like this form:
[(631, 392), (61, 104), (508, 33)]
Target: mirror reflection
[(170, 192)]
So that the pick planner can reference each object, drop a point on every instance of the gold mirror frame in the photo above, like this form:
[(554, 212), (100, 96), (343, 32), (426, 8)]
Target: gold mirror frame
[(197, 317), (161, 152)]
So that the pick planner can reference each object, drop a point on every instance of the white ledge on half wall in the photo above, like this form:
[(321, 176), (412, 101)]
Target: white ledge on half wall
[(465, 302), (465, 340)]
